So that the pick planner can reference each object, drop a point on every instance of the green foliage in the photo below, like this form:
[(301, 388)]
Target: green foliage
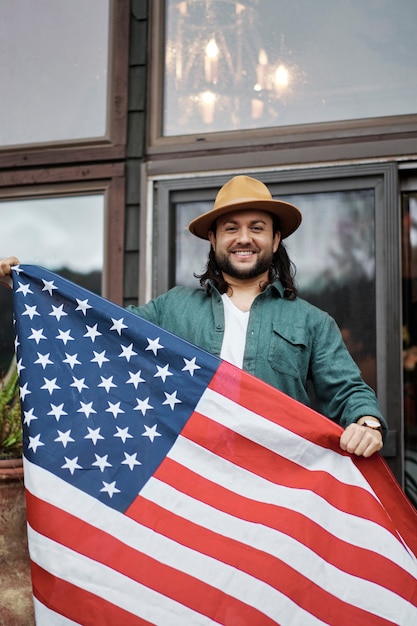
[(10, 415)]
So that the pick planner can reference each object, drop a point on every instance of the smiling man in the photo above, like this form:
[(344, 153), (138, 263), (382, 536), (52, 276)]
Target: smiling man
[(248, 312)]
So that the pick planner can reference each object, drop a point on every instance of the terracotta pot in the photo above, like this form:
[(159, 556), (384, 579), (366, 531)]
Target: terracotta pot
[(11, 469)]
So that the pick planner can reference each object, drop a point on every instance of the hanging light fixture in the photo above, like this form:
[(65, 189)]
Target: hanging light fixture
[(218, 75)]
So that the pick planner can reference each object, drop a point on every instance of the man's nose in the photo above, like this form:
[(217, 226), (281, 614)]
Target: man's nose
[(243, 235)]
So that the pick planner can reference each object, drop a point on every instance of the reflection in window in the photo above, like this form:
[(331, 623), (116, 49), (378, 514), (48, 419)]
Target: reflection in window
[(53, 73), (63, 234), (243, 64), (334, 253), (409, 277)]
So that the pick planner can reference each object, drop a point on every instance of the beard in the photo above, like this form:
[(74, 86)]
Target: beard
[(262, 265)]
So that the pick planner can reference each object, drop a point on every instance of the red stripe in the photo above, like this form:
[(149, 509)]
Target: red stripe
[(77, 604), (277, 469), (346, 557), (85, 539)]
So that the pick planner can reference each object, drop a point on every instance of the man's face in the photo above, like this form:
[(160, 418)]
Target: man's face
[(244, 243)]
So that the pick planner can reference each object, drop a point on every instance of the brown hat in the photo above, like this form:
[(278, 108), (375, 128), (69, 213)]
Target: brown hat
[(244, 192)]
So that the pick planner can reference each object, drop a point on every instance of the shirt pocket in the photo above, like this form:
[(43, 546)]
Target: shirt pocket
[(288, 350)]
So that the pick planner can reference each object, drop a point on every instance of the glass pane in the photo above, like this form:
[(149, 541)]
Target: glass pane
[(244, 64), (63, 234), (53, 70), (334, 253), (409, 270)]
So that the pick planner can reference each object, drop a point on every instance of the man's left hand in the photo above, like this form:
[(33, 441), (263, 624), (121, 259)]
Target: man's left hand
[(361, 440)]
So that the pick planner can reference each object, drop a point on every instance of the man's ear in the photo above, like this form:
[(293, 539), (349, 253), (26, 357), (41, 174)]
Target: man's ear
[(277, 239), (212, 239)]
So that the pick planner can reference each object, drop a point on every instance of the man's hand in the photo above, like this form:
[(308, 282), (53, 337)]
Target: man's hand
[(361, 440), (6, 265)]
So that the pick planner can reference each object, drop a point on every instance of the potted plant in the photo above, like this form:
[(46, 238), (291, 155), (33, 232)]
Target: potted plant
[(10, 423)]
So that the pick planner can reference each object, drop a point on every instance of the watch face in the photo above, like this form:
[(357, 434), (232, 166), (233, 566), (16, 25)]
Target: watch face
[(371, 424)]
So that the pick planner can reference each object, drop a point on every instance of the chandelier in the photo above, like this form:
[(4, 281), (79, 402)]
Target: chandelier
[(221, 72)]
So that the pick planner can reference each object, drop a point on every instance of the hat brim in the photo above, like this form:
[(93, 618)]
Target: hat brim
[(288, 215)]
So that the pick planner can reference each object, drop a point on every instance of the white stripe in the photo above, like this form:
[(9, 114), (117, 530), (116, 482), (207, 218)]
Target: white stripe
[(243, 587), (109, 584), (362, 593), (350, 528), (44, 616), (279, 440)]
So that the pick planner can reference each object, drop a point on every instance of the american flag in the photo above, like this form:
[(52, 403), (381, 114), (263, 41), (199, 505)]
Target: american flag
[(167, 487)]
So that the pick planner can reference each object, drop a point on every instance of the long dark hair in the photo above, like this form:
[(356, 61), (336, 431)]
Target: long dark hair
[(281, 267)]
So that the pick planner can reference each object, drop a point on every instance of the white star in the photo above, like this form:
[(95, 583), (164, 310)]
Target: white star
[(20, 366), (118, 325), (50, 385), (57, 411), (135, 379), (64, 438), (24, 391), (65, 336), (79, 384), (151, 433), (171, 399), (71, 464), (16, 342), (142, 405), (25, 289), (162, 372), (83, 306), (71, 360), (154, 345), (35, 442), (127, 352), (17, 269), (130, 460), (28, 417), (114, 408), (48, 285), (58, 312), (44, 360), (190, 366), (37, 335), (99, 358), (86, 408), (92, 332), (110, 488), (107, 383), (31, 311), (101, 462), (94, 435), (123, 433)]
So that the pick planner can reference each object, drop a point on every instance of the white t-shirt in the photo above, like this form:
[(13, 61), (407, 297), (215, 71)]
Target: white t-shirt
[(234, 340)]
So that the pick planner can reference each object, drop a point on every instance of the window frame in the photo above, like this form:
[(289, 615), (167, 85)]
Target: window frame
[(308, 143), (110, 146)]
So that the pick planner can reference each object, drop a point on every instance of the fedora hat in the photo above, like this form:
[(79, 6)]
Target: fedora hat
[(244, 192)]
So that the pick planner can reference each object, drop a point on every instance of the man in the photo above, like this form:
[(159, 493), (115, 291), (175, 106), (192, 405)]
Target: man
[(249, 312)]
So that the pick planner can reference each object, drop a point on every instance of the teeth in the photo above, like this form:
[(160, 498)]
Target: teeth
[(243, 252)]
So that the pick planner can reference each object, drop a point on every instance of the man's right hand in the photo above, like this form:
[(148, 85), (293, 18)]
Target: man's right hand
[(6, 265)]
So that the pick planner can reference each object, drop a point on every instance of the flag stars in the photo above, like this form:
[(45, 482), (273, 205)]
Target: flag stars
[(190, 366), (92, 332), (64, 336), (86, 408), (110, 488), (79, 384), (171, 399), (43, 359), (24, 289), (72, 360), (71, 464), (94, 435), (28, 417), (83, 306), (57, 410), (151, 432), (131, 460), (31, 311), (101, 462), (107, 383), (50, 385), (35, 443), (123, 434), (118, 325), (64, 438), (20, 366), (114, 408), (58, 312), (48, 285), (163, 372), (154, 345), (135, 378), (99, 358), (127, 352), (24, 391), (142, 405), (37, 335)]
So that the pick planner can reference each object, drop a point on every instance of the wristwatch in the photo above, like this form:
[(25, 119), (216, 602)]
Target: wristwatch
[(372, 424)]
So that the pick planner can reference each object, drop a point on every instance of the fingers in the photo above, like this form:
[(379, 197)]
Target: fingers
[(361, 440), (6, 265)]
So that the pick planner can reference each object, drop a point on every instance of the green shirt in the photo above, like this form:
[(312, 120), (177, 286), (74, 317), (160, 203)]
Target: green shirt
[(288, 343)]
